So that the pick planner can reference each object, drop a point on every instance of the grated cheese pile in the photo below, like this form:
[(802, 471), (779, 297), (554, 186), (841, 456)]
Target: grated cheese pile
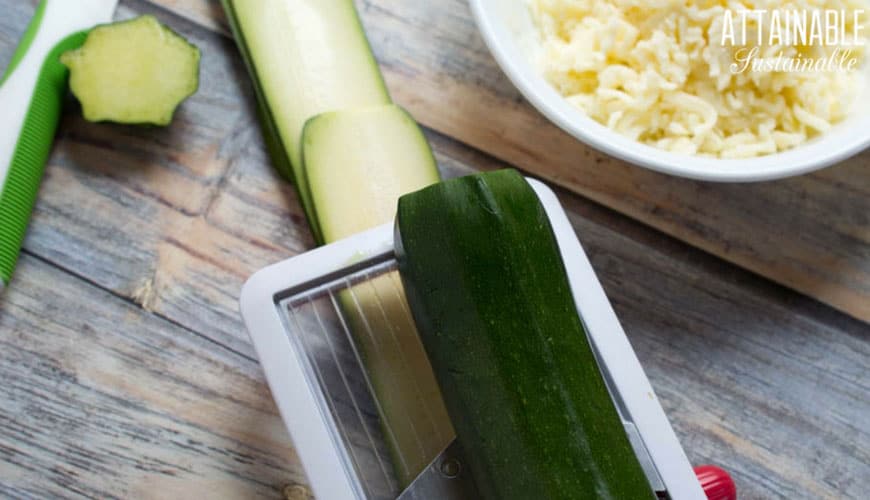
[(657, 72)]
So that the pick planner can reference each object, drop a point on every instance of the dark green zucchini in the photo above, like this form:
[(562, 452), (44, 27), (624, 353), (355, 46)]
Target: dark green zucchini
[(489, 293)]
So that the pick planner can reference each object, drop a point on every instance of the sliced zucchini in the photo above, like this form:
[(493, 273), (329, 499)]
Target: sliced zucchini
[(306, 57), (135, 71), (358, 163), (313, 70), (488, 290), (413, 417)]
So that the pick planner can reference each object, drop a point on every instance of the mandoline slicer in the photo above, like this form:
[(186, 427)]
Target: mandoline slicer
[(316, 375)]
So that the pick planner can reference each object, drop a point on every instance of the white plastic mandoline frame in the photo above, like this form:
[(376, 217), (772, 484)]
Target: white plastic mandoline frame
[(325, 457)]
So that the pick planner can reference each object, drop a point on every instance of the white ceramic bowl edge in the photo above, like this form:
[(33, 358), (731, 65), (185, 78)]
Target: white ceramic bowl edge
[(506, 28)]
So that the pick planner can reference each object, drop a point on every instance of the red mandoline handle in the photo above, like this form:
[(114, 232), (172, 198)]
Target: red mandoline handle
[(716, 482)]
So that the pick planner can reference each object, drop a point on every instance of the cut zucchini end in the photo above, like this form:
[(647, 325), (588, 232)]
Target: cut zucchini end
[(134, 72)]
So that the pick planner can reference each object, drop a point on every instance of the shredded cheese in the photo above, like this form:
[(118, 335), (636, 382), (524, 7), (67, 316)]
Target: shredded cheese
[(658, 72)]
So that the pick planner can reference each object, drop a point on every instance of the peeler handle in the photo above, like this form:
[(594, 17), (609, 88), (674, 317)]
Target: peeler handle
[(32, 90)]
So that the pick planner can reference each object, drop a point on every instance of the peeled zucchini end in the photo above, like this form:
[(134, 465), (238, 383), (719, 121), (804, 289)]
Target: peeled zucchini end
[(134, 72)]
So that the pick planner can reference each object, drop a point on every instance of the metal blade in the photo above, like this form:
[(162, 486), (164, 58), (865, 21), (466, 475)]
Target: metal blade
[(646, 461), (446, 477)]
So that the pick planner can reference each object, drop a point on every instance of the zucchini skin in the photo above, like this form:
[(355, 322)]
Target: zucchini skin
[(488, 290)]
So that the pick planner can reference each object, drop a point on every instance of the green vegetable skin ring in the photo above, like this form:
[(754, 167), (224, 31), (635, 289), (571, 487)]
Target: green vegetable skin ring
[(489, 293), (134, 72)]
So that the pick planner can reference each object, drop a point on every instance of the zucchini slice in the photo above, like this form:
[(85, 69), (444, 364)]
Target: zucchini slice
[(135, 71), (331, 129), (358, 163), (306, 57), (488, 290), (412, 413)]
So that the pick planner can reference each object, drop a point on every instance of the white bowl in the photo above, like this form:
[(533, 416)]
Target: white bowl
[(507, 29)]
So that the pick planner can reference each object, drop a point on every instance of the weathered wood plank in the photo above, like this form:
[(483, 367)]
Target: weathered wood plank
[(103, 400), (129, 206), (811, 233), (734, 361)]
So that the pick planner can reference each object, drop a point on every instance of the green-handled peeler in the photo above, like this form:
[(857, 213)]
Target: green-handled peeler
[(31, 95)]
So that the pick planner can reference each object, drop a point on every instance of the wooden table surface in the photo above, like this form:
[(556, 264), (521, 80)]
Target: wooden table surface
[(126, 371)]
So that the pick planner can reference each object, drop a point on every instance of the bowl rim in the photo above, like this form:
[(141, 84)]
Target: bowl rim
[(553, 106)]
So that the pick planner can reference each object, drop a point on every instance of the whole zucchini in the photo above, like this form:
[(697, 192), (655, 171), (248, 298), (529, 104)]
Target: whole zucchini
[(489, 293)]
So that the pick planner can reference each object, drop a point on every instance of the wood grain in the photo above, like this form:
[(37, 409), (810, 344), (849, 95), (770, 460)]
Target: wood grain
[(103, 400), (121, 336), (810, 233), (143, 211)]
